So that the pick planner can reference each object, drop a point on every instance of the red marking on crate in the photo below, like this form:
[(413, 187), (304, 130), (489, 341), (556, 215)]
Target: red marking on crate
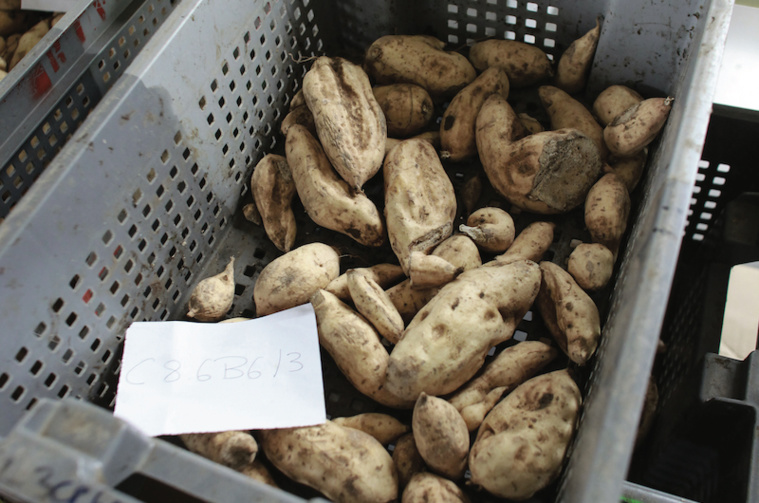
[(41, 82), (87, 296), (55, 55), (99, 8), (79, 31), (52, 60), (117, 252)]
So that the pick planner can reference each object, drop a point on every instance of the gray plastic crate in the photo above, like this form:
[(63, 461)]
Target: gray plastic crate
[(69, 450), (145, 199), (703, 443), (47, 96)]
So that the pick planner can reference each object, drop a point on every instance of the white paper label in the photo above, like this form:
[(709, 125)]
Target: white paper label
[(184, 377), (741, 320)]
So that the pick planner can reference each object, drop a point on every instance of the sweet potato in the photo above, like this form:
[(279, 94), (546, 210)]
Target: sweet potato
[(591, 265), (637, 126), (420, 203), (574, 63), (445, 344), (273, 191), (292, 278), (547, 173), (430, 271), (328, 199), (491, 228), (344, 464), (521, 445), (408, 108), (212, 297), (524, 64), (569, 313), (407, 459), (354, 345), (564, 111), (421, 60), (607, 209), (457, 128), (385, 274), (375, 305), (458, 250), (349, 122), (506, 371), (530, 244), (426, 487), (28, 40), (441, 436), (384, 427), (613, 101)]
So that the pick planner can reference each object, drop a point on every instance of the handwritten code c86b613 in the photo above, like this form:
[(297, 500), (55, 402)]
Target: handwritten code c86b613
[(218, 368)]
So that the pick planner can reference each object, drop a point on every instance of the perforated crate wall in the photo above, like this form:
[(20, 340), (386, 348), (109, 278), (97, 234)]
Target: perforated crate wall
[(145, 200), (45, 100)]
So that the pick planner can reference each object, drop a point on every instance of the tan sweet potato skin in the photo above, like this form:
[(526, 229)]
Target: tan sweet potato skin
[(384, 427), (426, 487), (441, 435), (574, 63), (291, 279), (273, 190), (607, 210), (457, 128), (354, 345), (344, 464), (420, 203), (491, 228), (298, 115), (408, 108), (613, 101), (374, 304), (506, 371), (459, 250), (421, 60), (637, 127), (328, 199), (447, 341), (548, 172), (521, 444), (591, 265), (567, 112), (234, 449), (524, 64), (385, 274), (569, 313), (348, 120), (407, 459), (530, 244)]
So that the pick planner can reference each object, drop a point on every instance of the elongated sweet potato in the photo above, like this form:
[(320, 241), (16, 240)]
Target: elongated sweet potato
[(327, 198), (345, 464), (348, 120), (421, 60), (420, 203), (447, 341)]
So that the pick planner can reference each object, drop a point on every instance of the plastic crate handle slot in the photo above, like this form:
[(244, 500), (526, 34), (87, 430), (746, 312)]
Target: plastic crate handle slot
[(47, 458)]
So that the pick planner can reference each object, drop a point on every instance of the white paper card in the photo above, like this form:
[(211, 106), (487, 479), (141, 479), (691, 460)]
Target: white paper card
[(49, 5), (741, 319), (184, 377)]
